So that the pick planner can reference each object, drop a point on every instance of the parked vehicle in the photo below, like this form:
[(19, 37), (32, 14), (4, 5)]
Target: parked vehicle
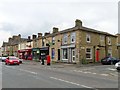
[(3, 58), (12, 61), (109, 60), (117, 66)]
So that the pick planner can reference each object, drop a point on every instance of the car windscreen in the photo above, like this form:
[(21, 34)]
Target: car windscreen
[(13, 59)]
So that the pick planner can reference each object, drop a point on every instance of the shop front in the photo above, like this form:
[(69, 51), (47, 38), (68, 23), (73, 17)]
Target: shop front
[(44, 51), (25, 54), (36, 54), (68, 53)]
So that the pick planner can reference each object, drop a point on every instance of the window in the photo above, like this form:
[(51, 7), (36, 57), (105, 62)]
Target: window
[(73, 35), (88, 38), (109, 41), (53, 53), (65, 56), (65, 38), (110, 51), (88, 53), (53, 40), (102, 37)]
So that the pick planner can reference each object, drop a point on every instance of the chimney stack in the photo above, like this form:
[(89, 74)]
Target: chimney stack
[(46, 33), (34, 36), (39, 35), (55, 29), (29, 37), (19, 35), (78, 23)]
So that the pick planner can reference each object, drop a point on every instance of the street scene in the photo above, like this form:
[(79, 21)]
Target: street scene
[(34, 75), (59, 44)]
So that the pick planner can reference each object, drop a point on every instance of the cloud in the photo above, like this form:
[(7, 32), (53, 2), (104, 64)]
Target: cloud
[(31, 17)]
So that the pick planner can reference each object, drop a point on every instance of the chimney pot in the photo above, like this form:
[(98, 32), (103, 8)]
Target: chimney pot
[(34, 36), (78, 23), (55, 29), (39, 35)]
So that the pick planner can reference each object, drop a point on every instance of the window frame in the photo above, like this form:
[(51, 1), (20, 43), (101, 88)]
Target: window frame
[(64, 49), (53, 40), (109, 41), (89, 53), (88, 36), (65, 38), (73, 34)]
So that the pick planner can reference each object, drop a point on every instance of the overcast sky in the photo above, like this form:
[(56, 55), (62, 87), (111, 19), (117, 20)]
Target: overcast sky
[(27, 17)]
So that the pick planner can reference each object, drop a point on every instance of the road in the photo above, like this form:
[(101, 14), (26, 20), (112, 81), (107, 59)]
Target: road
[(35, 75)]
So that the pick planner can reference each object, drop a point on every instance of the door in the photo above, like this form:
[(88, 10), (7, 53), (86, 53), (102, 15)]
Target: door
[(58, 54), (73, 55)]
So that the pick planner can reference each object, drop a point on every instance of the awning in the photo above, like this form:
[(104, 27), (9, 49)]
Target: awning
[(24, 50)]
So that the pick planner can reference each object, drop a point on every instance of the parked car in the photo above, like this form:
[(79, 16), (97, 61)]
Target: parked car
[(3, 58), (12, 60), (109, 60), (117, 66)]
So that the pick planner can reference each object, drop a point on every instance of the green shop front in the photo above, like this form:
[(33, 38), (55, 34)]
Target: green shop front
[(38, 53)]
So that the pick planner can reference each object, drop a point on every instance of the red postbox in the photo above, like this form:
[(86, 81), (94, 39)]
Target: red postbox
[(48, 59)]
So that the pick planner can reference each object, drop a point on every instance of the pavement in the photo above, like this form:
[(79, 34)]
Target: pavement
[(62, 65)]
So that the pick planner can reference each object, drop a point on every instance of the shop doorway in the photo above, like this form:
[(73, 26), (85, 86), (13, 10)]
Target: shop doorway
[(58, 54), (73, 56)]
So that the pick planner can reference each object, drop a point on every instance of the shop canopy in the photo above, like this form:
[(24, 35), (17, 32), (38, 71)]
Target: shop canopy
[(24, 50)]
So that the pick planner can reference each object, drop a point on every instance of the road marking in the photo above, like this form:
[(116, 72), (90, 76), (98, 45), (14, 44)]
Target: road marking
[(113, 74), (94, 73), (71, 82), (86, 72), (27, 71), (111, 69), (104, 74)]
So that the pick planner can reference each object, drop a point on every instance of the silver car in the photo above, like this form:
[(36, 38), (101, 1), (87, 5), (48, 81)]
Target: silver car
[(117, 66), (3, 58)]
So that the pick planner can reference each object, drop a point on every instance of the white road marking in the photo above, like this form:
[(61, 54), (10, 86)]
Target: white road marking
[(27, 71), (113, 74), (104, 74), (111, 69), (71, 82), (94, 73)]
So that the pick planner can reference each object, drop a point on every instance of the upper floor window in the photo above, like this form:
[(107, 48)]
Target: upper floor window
[(88, 38), (65, 38), (53, 40), (73, 37), (102, 38), (109, 41)]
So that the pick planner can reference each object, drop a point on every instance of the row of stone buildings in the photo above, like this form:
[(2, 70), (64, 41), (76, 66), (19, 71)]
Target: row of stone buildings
[(78, 44)]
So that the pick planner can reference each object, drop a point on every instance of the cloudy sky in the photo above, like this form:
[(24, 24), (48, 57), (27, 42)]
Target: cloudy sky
[(27, 17)]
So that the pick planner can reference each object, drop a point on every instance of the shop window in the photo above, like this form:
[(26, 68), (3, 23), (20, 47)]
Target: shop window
[(65, 55), (88, 53), (53, 53), (88, 38), (73, 36)]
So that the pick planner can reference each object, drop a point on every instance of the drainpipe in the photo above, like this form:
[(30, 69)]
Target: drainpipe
[(106, 45)]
